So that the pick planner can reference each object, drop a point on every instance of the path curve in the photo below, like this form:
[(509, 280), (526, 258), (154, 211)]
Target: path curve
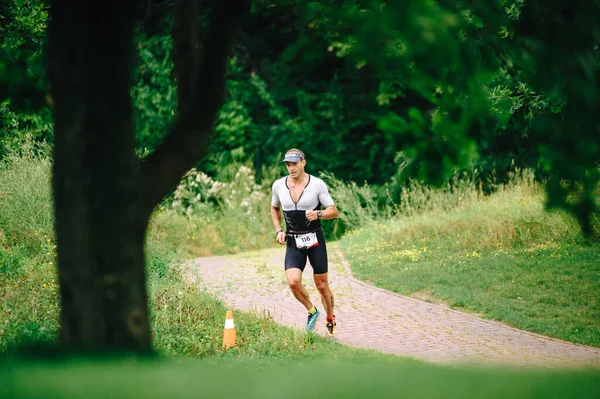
[(372, 318)]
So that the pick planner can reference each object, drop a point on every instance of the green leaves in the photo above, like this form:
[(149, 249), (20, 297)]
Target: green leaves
[(154, 90), (559, 55), (432, 146), (22, 33), (24, 113)]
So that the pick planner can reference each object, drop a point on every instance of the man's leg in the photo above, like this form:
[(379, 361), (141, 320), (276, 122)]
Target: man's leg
[(319, 263), (295, 261), (294, 278), (326, 295)]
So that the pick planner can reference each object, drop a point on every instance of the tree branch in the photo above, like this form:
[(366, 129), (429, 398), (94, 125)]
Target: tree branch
[(185, 34), (200, 96)]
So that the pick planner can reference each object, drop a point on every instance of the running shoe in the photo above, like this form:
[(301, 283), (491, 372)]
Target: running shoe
[(330, 326), (312, 321)]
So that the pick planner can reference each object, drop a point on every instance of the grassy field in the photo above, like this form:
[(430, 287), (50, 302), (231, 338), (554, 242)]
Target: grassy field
[(502, 257)]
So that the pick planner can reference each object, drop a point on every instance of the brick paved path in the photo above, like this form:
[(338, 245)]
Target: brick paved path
[(400, 325)]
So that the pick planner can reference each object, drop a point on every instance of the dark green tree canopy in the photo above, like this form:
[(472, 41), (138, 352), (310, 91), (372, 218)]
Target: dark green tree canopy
[(373, 91)]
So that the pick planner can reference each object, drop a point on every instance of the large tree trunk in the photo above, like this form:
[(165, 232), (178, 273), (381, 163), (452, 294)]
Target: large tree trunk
[(103, 194), (100, 231)]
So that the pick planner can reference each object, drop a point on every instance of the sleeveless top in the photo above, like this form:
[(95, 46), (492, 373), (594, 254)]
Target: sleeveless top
[(314, 195)]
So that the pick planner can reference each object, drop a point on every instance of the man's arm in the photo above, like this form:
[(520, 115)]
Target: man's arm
[(330, 212), (276, 217)]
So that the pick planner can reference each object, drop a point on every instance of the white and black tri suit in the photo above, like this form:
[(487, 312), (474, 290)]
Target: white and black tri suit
[(313, 197)]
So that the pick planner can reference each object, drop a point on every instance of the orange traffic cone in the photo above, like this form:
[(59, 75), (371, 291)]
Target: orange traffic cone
[(229, 337)]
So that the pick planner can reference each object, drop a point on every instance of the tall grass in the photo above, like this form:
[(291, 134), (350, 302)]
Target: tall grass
[(513, 217), (458, 215), (27, 253), (25, 199), (28, 291), (357, 204), (361, 205)]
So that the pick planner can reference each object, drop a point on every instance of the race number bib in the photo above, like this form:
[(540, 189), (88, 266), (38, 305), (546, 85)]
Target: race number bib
[(305, 241)]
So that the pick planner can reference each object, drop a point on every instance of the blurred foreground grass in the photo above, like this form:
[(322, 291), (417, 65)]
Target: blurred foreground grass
[(187, 378)]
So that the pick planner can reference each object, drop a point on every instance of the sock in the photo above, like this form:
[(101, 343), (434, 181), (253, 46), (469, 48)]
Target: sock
[(313, 310), (331, 320)]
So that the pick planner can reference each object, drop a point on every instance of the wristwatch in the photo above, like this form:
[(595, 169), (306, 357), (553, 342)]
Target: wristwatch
[(319, 214)]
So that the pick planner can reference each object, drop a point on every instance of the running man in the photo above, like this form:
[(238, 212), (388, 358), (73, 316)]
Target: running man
[(301, 197)]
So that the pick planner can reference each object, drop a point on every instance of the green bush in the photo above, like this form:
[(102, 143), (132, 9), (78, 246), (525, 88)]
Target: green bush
[(226, 214)]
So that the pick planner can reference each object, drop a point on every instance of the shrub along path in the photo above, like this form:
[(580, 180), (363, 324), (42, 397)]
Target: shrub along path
[(372, 318)]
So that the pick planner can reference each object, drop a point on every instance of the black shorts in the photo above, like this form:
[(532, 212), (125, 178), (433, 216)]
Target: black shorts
[(296, 258)]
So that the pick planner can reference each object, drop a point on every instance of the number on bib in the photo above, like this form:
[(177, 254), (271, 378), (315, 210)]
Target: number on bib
[(305, 241)]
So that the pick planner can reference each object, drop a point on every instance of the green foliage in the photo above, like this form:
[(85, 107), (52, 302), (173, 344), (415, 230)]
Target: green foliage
[(22, 34), (403, 44), (370, 91), (512, 138), (234, 128), (555, 49), (227, 214), (287, 90), (416, 90), (154, 91), (20, 130), (357, 205), (24, 114), (159, 255)]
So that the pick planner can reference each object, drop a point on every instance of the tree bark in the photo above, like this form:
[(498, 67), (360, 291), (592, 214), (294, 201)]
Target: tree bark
[(99, 232), (103, 195)]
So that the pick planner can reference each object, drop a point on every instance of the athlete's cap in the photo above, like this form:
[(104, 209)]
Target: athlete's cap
[(293, 156)]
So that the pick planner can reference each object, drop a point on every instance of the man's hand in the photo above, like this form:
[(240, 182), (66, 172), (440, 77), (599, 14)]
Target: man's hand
[(311, 215), (281, 237)]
